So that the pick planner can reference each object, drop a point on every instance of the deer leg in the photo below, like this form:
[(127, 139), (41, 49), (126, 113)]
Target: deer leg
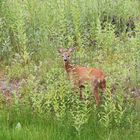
[(97, 97), (81, 93), (103, 85), (95, 87)]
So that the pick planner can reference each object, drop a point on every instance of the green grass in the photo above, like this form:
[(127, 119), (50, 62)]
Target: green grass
[(34, 128), (106, 36)]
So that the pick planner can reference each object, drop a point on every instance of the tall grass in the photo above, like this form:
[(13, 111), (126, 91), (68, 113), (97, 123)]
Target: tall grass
[(34, 26), (106, 35)]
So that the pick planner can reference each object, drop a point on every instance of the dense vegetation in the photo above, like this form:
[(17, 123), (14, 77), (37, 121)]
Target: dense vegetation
[(106, 35)]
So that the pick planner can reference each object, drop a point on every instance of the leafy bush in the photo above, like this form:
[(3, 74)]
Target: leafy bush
[(106, 36)]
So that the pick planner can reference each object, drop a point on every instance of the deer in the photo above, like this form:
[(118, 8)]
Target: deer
[(80, 75)]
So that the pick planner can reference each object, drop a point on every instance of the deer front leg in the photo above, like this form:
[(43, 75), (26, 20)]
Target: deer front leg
[(81, 93)]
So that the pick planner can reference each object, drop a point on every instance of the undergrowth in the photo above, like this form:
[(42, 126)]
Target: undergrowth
[(106, 36)]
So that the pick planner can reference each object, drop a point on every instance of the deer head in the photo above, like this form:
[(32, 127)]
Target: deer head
[(66, 53)]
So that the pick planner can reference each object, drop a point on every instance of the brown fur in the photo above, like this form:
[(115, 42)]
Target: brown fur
[(80, 75)]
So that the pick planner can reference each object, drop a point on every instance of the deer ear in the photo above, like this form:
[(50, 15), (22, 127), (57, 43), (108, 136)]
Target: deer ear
[(71, 49), (60, 50)]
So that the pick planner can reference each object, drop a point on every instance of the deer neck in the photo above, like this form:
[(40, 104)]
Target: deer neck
[(68, 67)]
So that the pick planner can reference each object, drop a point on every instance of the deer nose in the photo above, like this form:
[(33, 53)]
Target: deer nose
[(65, 58)]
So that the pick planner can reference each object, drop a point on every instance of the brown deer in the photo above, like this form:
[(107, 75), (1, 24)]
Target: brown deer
[(80, 75)]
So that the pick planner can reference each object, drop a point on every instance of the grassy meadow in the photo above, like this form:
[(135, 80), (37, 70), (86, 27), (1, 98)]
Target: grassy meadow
[(36, 98)]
